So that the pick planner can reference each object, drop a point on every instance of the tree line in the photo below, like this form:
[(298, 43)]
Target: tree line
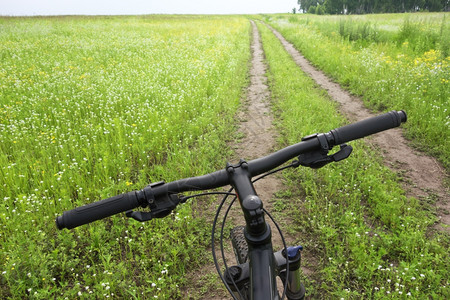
[(371, 6)]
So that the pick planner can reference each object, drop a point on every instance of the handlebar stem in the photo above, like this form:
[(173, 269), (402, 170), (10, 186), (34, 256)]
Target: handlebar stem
[(257, 233), (251, 204)]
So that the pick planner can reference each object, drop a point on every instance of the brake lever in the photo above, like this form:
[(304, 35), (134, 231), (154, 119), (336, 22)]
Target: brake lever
[(320, 158), (159, 208), (139, 215)]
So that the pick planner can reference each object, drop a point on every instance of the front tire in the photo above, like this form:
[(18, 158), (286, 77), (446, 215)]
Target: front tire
[(240, 246)]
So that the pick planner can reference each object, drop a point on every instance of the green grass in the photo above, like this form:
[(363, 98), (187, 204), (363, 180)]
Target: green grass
[(368, 238), (392, 61), (91, 107), (95, 106)]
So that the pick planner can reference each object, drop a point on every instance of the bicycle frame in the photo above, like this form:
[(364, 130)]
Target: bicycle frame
[(264, 265)]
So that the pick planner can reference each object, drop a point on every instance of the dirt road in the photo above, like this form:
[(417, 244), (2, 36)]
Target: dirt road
[(423, 175)]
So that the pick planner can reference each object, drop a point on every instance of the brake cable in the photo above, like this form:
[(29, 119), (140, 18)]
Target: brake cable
[(185, 198)]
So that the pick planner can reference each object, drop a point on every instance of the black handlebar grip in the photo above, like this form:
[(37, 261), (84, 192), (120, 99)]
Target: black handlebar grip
[(368, 126), (97, 210)]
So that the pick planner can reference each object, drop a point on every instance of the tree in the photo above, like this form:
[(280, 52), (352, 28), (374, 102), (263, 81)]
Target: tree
[(320, 10), (311, 10), (334, 6), (433, 5), (306, 4), (371, 6)]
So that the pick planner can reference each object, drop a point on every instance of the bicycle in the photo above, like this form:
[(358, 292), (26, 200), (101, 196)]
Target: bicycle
[(254, 276)]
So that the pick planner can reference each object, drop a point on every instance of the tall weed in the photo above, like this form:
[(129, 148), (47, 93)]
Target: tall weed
[(444, 39), (420, 36)]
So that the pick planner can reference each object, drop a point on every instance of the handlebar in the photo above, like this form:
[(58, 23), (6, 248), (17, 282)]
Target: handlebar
[(97, 210), (161, 191), (368, 126)]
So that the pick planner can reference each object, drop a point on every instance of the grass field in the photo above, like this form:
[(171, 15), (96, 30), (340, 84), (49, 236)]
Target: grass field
[(394, 60), (95, 106), (365, 238)]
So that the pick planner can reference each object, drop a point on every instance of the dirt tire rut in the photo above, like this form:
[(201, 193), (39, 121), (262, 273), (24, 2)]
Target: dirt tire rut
[(258, 139), (424, 176)]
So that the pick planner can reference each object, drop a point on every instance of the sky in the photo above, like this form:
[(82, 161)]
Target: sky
[(132, 7)]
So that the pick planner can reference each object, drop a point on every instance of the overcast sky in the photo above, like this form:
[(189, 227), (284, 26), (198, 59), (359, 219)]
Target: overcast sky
[(114, 7)]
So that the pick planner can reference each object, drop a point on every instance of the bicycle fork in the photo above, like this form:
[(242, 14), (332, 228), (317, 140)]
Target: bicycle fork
[(256, 278), (238, 277)]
